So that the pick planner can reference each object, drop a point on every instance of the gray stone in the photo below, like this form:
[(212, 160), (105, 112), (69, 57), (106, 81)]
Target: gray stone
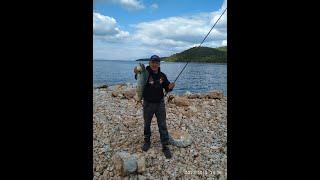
[(124, 163), (121, 129), (179, 138), (141, 164), (114, 94), (140, 177)]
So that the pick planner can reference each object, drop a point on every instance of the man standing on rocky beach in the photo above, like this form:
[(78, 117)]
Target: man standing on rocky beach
[(153, 103)]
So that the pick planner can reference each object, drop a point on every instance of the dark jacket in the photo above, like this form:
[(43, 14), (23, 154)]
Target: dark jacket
[(153, 90)]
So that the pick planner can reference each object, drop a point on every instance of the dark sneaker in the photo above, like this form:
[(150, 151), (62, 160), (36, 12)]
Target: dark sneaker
[(166, 152), (146, 146)]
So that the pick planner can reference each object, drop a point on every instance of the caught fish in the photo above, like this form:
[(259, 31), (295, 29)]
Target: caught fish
[(142, 76)]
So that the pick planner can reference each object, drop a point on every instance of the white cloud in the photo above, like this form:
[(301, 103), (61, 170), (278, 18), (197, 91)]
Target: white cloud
[(178, 31), (131, 4), (123, 51), (224, 43), (163, 37), (222, 24), (154, 6), (174, 28), (103, 25), (224, 5), (126, 4), (105, 28)]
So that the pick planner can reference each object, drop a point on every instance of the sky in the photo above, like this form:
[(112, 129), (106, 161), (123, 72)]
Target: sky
[(134, 29)]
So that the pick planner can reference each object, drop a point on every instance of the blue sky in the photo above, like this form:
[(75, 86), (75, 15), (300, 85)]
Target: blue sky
[(133, 29)]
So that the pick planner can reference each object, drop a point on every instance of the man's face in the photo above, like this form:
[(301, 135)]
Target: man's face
[(154, 65)]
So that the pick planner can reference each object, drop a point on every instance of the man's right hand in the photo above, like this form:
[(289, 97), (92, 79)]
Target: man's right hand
[(171, 86)]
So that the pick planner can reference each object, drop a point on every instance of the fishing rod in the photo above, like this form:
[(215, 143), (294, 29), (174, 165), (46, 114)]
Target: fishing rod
[(198, 47)]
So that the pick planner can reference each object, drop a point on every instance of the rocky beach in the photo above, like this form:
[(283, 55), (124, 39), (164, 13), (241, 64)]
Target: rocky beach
[(118, 136)]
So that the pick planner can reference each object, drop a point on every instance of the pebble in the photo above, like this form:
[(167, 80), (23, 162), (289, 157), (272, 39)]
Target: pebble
[(204, 119)]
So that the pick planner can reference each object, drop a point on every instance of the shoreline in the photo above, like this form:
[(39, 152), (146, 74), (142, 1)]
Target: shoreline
[(133, 85), (118, 126)]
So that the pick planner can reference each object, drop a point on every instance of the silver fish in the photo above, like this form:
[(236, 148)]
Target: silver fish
[(142, 76)]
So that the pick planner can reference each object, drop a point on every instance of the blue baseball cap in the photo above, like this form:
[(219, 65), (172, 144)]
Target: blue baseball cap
[(155, 58)]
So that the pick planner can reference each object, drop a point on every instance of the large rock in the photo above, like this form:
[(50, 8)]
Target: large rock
[(193, 96), (126, 163), (121, 87), (141, 163), (140, 177), (203, 96), (179, 101), (188, 93), (215, 95), (179, 138), (102, 87), (129, 94), (114, 94)]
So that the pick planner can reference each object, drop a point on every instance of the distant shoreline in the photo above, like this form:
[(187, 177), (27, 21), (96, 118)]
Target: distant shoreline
[(186, 61), (111, 60), (163, 61)]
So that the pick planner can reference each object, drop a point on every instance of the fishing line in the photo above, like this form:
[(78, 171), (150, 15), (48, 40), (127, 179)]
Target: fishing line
[(199, 46)]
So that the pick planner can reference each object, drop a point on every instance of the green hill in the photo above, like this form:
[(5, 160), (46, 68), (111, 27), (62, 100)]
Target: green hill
[(146, 59), (200, 54)]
